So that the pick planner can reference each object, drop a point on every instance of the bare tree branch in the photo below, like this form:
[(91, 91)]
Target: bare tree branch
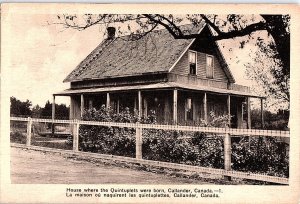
[(216, 28), (221, 35)]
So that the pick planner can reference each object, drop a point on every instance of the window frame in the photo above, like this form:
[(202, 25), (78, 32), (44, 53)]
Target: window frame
[(212, 67), (196, 70)]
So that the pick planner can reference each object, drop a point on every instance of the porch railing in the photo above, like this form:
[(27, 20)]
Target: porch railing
[(227, 133), (194, 80)]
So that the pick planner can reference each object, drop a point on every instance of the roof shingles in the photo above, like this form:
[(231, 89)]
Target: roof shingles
[(156, 52)]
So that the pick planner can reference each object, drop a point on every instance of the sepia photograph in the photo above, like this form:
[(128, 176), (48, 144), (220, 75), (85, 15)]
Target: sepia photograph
[(167, 105)]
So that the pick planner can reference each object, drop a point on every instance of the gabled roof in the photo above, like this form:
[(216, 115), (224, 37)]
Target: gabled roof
[(155, 53)]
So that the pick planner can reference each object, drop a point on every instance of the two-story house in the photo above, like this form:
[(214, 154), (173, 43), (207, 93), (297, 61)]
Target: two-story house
[(182, 80)]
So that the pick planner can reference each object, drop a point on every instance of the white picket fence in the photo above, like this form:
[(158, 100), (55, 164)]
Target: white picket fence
[(227, 133)]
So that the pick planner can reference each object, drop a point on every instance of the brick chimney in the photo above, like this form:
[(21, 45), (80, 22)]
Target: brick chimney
[(111, 32)]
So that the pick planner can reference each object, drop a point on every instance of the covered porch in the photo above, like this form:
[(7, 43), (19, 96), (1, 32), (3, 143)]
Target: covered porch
[(171, 103)]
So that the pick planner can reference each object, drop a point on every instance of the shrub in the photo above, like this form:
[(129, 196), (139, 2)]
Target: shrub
[(161, 145), (193, 148), (108, 140), (261, 155), (183, 147), (18, 137)]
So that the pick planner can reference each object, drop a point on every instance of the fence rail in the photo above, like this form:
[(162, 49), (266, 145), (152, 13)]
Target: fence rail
[(227, 133), (231, 131)]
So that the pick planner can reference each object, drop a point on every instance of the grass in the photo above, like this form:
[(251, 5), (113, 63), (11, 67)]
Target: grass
[(57, 143)]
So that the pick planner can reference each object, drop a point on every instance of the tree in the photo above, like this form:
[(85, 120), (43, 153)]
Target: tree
[(47, 110), (223, 26), (36, 111), (273, 83), (19, 108), (273, 120), (61, 111)]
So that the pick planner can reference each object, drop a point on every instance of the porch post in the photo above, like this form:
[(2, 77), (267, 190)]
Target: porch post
[(248, 113), (53, 115), (145, 104), (81, 105), (228, 109), (107, 100), (175, 96), (90, 104), (118, 106), (135, 104), (140, 103), (53, 108), (242, 115), (205, 106), (262, 113), (71, 113)]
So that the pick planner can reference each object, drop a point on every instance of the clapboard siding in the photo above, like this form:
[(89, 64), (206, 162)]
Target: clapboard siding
[(182, 67), (201, 65), (219, 73)]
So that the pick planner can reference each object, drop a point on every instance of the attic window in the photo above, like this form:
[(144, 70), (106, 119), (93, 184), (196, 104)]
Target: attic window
[(209, 66), (193, 62)]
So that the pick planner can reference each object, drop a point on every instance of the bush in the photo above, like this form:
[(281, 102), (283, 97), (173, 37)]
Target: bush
[(160, 145), (18, 137), (192, 148), (108, 140), (183, 147), (261, 155)]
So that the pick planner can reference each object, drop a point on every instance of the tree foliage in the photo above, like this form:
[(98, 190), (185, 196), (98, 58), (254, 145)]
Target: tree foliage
[(272, 121), (61, 111), (271, 62), (23, 108), (36, 111), (18, 107)]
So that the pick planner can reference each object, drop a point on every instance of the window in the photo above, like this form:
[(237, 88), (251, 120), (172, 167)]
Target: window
[(192, 62), (189, 109), (209, 66)]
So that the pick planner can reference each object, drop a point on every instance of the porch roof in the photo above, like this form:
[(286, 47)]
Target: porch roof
[(155, 86)]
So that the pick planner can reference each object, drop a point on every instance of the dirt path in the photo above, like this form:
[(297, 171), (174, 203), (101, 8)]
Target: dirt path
[(35, 167)]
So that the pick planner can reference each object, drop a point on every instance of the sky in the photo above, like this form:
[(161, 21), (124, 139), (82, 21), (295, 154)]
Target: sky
[(41, 54)]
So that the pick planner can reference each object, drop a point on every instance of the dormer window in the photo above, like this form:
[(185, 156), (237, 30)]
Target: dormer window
[(209, 66), (193, 62)]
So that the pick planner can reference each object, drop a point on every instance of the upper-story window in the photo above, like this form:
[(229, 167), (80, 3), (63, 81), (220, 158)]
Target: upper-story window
[(193, 62), (209, 66)]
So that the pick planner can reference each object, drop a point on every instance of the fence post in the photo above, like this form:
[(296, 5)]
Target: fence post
[(28, 136), (75, 135), (227, 154), (138, 143)]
